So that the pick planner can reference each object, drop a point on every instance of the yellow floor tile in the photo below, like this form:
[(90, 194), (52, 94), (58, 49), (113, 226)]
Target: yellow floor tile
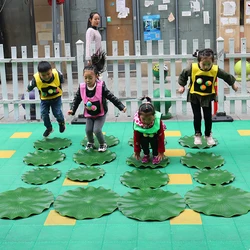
[(180, 179), (68, 182), (175, 152), (6, 153), (188, 216), (172, 133), (21, 135), (55, 218), (244, 132)]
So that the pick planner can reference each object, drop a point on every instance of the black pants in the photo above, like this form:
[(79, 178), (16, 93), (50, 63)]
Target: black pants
[(152, 141), (207, 113)]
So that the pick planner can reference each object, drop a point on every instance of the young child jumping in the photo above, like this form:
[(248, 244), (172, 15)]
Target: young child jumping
[(148, 130), (48, 81), (93, 92), (201, 91)]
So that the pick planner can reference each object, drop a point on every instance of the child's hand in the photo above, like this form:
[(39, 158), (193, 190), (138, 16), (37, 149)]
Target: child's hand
[(160, 156), (181, 89), (124, 110), (70, 112), (235, 87), (137, 155)]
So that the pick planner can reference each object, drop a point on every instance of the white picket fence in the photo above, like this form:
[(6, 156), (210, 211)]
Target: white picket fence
[(14, 95)]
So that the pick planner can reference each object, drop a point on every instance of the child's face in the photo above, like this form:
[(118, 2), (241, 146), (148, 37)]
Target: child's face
[(95, 20), (206, 63), (89, 78), (147, 118), (46, 76)]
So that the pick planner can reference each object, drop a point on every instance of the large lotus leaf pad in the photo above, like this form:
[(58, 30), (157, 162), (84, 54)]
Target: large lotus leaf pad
[(92, 157), (52, 143), (214, 176), (110, 140), (144, 178), (226, 201), (151, 204), (39, 176), (202, 160), (90, 202), (188, 141), (44, 158), (85, 173), (131, 161), (23, 202)]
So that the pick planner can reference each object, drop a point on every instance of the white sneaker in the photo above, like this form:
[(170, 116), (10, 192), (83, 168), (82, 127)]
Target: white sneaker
[(210, 140), (103, 147), (197, 139)]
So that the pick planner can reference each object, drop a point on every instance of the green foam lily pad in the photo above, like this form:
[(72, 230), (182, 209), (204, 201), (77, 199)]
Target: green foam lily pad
[(151, 204), (188, 141), (110, 140), (40, 176), (83, 203), (202, 160), (52, 143), (44, 158), (92, 157), (131, 161), (225, 201), (214, 176), (85, 173), (23, 202), (144, 178)]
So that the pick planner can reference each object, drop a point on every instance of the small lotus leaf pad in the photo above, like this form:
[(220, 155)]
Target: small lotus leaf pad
[(151, 204), (144, 178), (85, 173), (214, 176), (131, 161), (55, 143), (44, 158), (23, 202), (202, 160), (40, 176), (86, 203), (110, 140), (188, 141), (92, 157), (226, 201)]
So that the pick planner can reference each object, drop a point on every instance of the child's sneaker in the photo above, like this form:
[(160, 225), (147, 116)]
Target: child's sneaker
[(47, 132), (61, 127), (155, 160), (197, 139), (210, 140), (103, 147), (145, 159), (89, 146)]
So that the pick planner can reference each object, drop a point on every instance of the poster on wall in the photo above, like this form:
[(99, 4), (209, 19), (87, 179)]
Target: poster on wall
[(151, 26)]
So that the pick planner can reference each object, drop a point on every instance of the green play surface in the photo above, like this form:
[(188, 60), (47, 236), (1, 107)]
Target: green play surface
[(188, 231)]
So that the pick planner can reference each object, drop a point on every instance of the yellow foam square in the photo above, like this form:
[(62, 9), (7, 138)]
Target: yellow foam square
[(172, 133), (244, 132), (188, 216), (175, 152), (21, 135), (55, 218), (68, 182), (180, 179), (6, 153)]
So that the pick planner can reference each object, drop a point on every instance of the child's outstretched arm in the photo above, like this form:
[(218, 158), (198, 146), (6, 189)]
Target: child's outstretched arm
[(137, 146), (228, 78), (183, 79), (76, 102), (31, 85), (161, 142)]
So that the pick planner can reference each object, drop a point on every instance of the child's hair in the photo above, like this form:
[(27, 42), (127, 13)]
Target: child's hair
[(91, 15), (44, 66), (204, 53), (146, 107), (97, 63)]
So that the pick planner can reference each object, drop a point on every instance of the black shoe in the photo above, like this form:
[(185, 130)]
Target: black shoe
[(47, 132), (61, 127)]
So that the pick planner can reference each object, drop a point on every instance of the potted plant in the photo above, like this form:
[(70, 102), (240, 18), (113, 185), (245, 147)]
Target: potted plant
[(156, 72)]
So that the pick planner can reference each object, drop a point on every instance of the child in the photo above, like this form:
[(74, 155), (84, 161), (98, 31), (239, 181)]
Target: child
[(202, 92), (94, 93), (148, 129), (48, 81)]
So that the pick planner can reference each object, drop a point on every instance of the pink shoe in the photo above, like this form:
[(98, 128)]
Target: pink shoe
[(145, 159), (155, 160)]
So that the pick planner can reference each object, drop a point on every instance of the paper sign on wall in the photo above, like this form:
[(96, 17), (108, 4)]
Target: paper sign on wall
[(229, 8), (120, 5), (162, 7), (248, 8), (148, 3), (165, 1)]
